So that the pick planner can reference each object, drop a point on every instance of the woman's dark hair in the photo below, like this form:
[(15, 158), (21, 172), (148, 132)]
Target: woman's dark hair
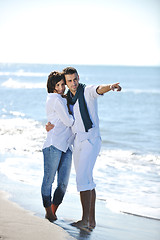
[(53, 79)]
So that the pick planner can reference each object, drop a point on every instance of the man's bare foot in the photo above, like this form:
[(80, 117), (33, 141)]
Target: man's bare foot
[(92, 224), (92, 227), (82, 224)]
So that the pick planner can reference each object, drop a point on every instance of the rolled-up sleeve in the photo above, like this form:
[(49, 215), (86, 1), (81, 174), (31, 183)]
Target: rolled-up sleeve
[(92, 91)]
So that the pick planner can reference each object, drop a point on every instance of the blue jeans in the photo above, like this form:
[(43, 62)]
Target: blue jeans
[(55, 161)]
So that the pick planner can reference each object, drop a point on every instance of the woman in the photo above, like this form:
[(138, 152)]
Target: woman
[(57, 147)]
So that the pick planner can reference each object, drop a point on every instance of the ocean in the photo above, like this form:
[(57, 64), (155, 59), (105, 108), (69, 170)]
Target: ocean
[(127, 171)]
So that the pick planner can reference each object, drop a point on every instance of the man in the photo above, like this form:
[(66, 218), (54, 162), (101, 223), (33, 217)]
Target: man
[(83, 105)]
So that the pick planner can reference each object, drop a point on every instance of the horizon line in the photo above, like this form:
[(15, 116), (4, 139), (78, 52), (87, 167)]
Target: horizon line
[(80, 64)]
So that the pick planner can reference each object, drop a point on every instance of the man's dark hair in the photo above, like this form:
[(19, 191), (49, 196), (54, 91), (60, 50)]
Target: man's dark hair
[(69, 70), (53, 79)]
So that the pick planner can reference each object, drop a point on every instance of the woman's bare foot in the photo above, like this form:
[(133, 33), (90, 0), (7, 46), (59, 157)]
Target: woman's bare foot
[(49, 214), (51, 217), (54, 209)]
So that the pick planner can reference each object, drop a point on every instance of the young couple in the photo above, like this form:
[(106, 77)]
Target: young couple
[(74, 121)]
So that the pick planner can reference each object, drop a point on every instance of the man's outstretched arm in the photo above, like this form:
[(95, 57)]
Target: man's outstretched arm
[(106, 88)]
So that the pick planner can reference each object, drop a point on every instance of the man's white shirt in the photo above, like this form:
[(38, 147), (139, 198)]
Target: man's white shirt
[(90, 95)]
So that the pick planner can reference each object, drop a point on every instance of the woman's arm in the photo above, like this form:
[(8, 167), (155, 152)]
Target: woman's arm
[(63, 114)]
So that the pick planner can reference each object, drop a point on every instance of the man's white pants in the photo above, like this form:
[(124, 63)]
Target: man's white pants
[(84, 155)]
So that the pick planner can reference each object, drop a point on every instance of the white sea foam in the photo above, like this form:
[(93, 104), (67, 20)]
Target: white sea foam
[(23, 138), (18, 114), (128, 182), (133, 208), (21, 135), (22, 73), (27, 169), (10, 83)]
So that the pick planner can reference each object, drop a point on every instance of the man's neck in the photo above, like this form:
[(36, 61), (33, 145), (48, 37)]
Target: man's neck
[(73, 93)]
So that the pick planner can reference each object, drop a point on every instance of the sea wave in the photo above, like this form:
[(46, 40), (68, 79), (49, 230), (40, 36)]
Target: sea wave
[(10, 83), (120, 175), (139, 210), (139, 91), (21, 135), (118, 190), (22, 73)]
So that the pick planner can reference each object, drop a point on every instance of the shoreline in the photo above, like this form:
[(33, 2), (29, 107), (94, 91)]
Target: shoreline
[(17, 223), (24, 199)]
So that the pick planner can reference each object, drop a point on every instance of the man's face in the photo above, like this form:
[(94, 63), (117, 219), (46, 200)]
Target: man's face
[(72, 81)]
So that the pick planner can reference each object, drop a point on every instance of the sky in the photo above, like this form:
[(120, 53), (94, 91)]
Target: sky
[(92, 32)]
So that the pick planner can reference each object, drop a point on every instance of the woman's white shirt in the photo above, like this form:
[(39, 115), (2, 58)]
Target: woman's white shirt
[(61, 135)]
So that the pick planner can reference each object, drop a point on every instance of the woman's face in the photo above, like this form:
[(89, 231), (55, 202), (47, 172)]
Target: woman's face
[(60, 87)]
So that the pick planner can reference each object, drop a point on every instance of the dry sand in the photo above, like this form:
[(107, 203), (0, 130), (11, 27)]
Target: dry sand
[(19, 224)]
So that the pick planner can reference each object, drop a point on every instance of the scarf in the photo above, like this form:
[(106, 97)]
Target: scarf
[(82, 105)]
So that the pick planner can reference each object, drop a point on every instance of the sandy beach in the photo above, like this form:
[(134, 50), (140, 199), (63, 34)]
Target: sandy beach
[(22, 217), (17, 223)]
